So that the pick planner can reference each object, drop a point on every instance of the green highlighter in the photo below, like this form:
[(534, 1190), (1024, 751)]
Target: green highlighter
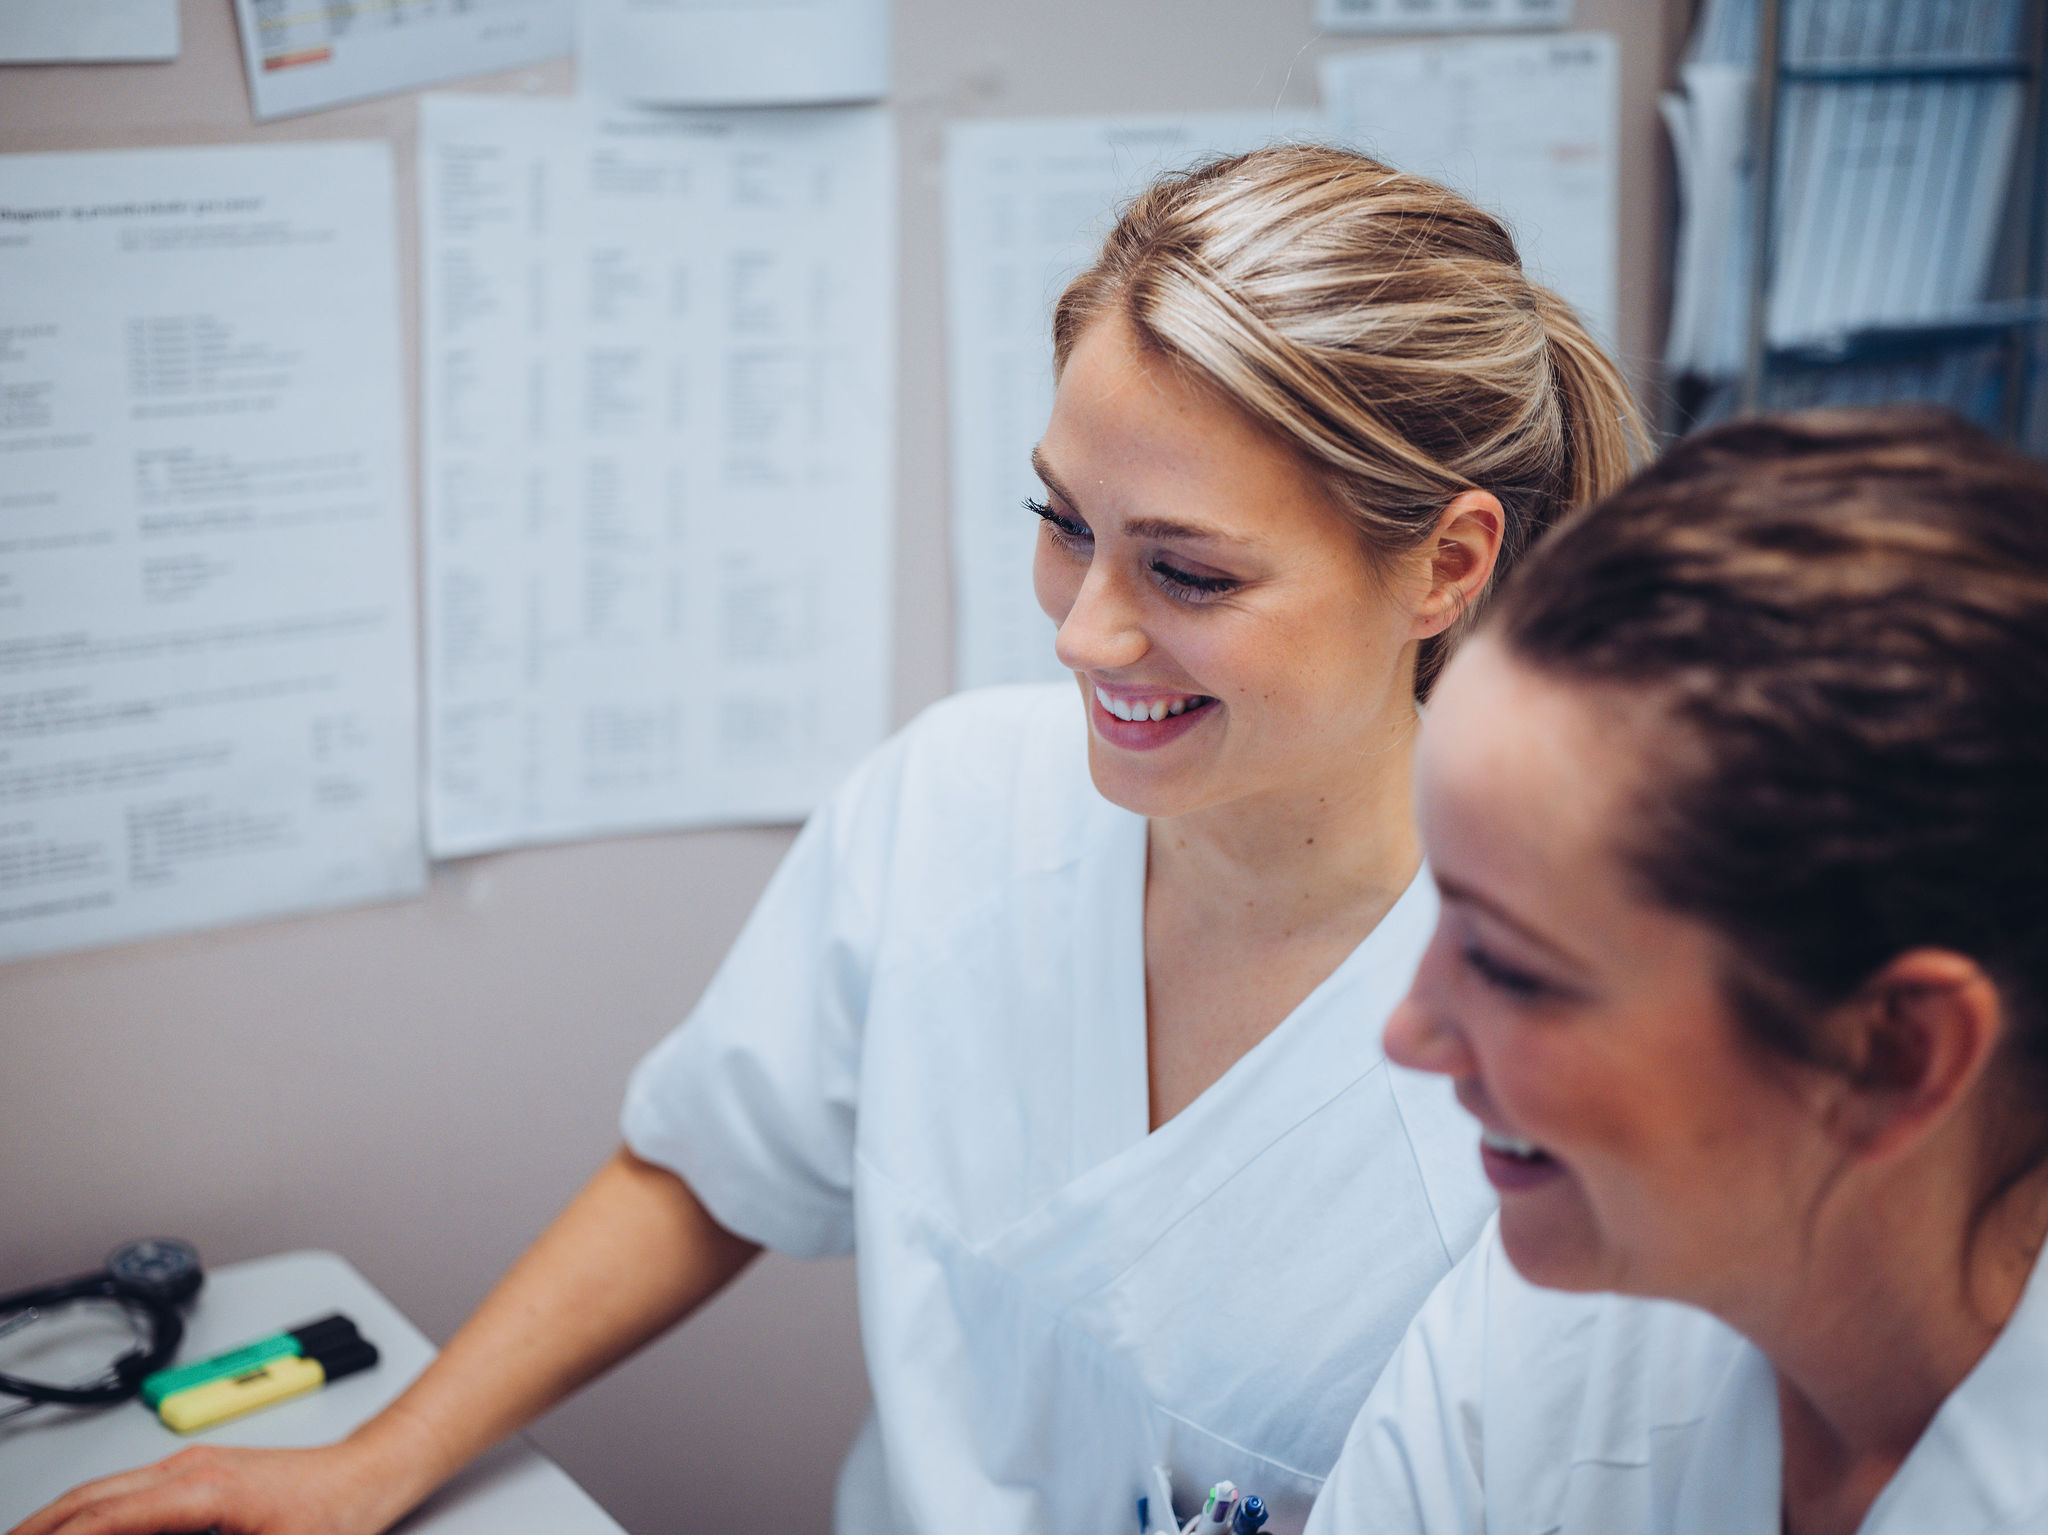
[(298, 1343)]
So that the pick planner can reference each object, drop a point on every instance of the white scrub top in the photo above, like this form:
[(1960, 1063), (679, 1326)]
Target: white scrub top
[(1522, 1411), (928, 1046)]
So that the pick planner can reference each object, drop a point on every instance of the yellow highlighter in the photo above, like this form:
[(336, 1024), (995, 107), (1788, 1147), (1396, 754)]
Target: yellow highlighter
[(275, 1380)]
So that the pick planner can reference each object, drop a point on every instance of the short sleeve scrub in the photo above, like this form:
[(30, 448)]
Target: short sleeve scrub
[(928, 1047), (1514, 1408)]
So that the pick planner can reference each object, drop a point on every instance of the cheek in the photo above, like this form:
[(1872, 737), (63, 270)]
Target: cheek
[(1552, 1089), (1257, 657), (1670, 1131), (1329, 656), (1055, 578), (1213, 651)]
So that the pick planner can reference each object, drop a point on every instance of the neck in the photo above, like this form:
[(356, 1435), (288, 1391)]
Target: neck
[(1310, 852), (1891, 1310)]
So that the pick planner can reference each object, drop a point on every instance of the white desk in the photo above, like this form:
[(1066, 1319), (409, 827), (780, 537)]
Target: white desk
[(512, 1491)]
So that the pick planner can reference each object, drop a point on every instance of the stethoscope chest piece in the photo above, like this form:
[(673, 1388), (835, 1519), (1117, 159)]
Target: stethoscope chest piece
[(159, 1268)]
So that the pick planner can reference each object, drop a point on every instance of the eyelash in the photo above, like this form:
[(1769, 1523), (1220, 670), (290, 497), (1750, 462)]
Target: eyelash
[(1065, 529), (1504, 978), (1181, 584)]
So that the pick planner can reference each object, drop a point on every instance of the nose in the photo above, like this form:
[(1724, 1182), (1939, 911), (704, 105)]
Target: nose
[(1413, 1039), (1101, 629), (1420, 1034)]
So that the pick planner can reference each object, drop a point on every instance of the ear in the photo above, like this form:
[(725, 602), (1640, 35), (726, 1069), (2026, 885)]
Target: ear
[(1463, 549), (1913, 1045)]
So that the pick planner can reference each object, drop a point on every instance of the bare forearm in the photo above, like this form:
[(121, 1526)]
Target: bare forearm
[(631, 1255), (634, 1253)]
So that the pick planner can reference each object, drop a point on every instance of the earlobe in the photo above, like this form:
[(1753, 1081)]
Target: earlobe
[(1463, 551)]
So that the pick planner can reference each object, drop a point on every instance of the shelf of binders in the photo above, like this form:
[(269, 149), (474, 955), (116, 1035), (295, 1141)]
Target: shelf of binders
[(1900, 188), (1978, 324), (1855, 71)]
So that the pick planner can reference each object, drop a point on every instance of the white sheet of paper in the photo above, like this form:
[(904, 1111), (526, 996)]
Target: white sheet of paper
[(658, 446), (1028, 202), (54, 31), (721, 53), (1523, 126), (1710, 286), (1441, 15), (303, 55), (207, 666)]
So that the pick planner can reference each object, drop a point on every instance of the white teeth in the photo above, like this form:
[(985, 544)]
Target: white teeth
[(1510, 1145), (1157, 709)]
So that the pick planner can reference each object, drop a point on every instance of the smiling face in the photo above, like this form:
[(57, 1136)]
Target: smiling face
[(1640, 1142), (1229, 632)]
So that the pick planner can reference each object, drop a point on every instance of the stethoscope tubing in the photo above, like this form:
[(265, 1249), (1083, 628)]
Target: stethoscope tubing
[(125, 1375)]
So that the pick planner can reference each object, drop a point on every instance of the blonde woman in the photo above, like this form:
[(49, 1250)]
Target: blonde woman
[(1065, 1019)]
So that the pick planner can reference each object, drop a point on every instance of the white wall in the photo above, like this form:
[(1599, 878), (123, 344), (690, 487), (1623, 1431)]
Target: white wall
[(419, 1086)]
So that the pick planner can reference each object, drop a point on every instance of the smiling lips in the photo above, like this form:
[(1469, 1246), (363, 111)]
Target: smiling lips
[(1141, 722), (1513, 1164), (1134, 709)]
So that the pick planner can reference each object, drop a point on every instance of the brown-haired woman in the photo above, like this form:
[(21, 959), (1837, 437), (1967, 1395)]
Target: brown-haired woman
[(1065, 1020), (1739, 808)]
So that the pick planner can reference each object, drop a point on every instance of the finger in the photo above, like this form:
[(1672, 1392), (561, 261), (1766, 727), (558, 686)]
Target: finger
[(52, 1515), (183, 1505)]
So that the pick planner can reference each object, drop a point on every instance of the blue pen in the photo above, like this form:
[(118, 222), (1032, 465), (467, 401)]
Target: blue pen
[(1251, 1516), (1144, 1515)]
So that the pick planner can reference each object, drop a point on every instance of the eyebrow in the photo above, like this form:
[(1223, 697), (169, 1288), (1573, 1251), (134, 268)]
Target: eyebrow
[(1465, 895), (1140, 527)]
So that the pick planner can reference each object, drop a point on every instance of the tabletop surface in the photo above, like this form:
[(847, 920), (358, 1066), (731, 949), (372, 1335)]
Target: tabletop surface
[(512, 1491)]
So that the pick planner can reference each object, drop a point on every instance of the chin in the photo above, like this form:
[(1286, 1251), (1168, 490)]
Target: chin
[(1155, 796), (1558, 1254)]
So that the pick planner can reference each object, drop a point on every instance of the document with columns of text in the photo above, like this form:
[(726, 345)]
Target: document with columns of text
[(207, 660), (306, 55), (1527, 127), (659, 373)]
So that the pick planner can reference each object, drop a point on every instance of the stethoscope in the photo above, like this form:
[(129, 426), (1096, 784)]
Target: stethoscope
[(150, 1279)]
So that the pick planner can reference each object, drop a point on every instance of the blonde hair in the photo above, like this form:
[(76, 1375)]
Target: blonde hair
[(1383, 326)]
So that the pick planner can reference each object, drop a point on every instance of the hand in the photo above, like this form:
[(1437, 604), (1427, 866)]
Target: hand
[(633, 1254), (325, 1491)]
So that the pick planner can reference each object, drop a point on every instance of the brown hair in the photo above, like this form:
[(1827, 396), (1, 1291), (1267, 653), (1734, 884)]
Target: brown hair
[(1840, 622), (1380, 324)]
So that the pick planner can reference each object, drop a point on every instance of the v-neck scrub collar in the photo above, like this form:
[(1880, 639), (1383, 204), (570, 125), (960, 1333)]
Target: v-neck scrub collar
[(1510, 1407), (928, 1047)]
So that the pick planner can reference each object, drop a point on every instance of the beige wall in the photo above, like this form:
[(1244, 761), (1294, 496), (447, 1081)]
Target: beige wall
[(418, 1086)]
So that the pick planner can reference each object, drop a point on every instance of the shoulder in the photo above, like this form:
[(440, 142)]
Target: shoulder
[(1486, 1338), (1577, 1376), (971, 765), (1503, 1391), (989, 730), (979, 789)]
